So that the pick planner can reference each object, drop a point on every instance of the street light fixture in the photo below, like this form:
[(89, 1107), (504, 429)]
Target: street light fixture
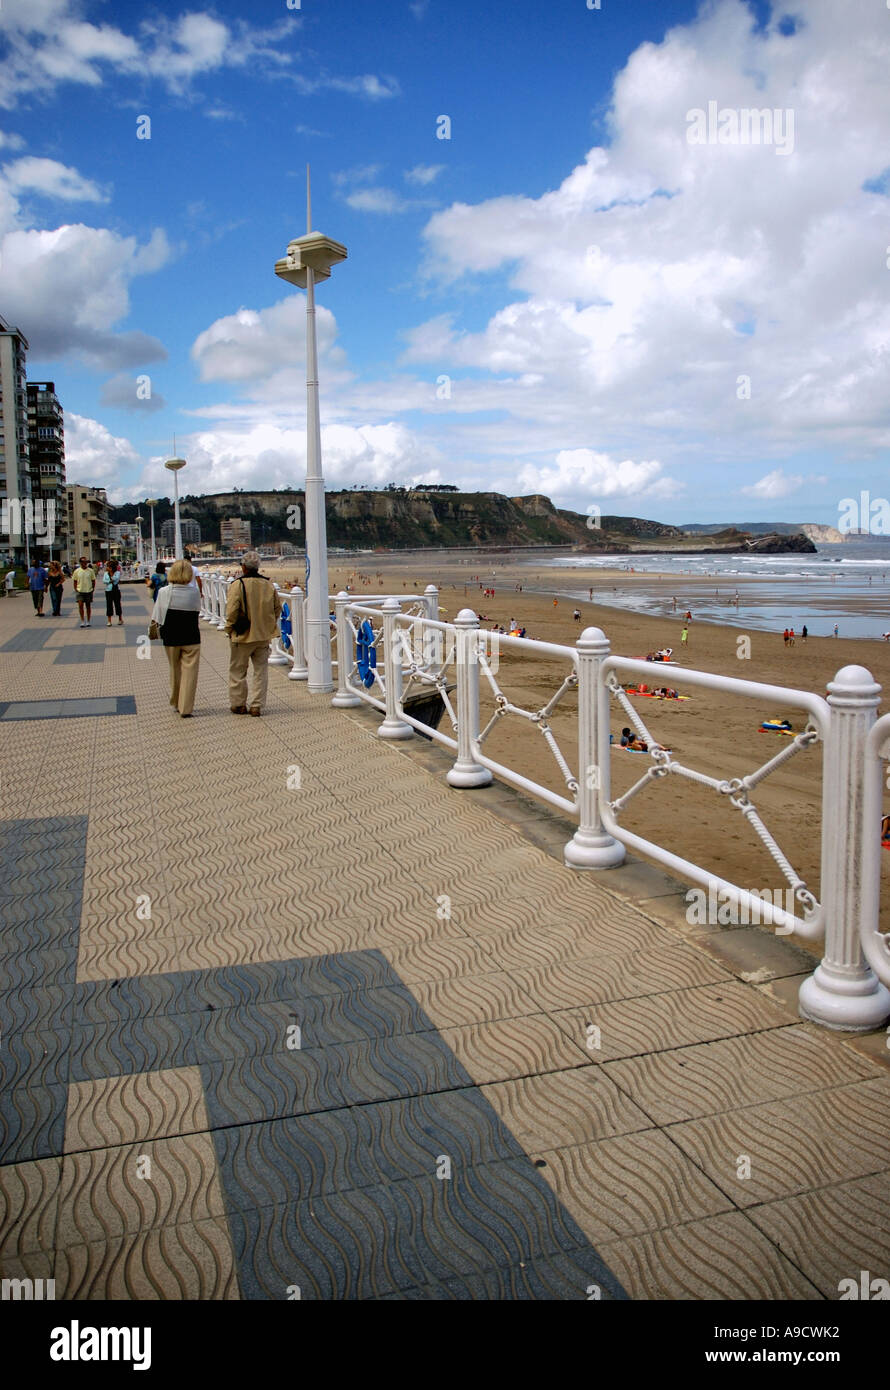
[(152, 502), (309, 259), (174, 465)]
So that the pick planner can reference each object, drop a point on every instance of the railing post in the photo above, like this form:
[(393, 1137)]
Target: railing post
[(844, 991), (223, 600), (299, 671), (466, 772), (209, 614), (393, 726), (591, 847), (432, 646), (344, 698), (277, 655)]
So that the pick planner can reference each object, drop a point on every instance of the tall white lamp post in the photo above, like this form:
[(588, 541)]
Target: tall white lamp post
[(309, 259), (140, 554), (174, 465), (151, 503)]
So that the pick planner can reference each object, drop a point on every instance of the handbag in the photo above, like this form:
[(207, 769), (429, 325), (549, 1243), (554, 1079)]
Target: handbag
[(154, 631), (242, 623)]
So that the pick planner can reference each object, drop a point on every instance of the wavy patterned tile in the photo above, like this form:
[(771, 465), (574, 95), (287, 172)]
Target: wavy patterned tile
[(629, 1184), (832, 1234), (32, 1122), (724, 1257), (600, 979), (385, 1068), (564, 1107), (735, 1072), (29, 1199), (513, 1047), (173, 1262), (674, 1018), (117, 1110), (286, 1160), (103, 1192), (244, 1089), (796, 1144), (407, 1137)]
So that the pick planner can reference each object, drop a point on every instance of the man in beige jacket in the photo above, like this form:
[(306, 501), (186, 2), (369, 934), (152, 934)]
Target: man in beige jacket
[(254, 595)]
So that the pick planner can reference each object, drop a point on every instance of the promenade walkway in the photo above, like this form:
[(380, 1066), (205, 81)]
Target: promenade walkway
[(283, 1015)]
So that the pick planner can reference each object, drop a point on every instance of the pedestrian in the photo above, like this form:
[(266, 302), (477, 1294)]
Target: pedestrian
[(111, 579), (688, 618), (84, 583), (157, 580), (835, 630), (38, 579), (252, 610), (56, 585), (8, 583), (684, 636), (785, 637), (791, 637), (803, 633), (176, 611), (576, 614), (590, 596)]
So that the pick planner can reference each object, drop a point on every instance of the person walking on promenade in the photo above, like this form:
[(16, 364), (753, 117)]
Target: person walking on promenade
[(252, 610), (84, 578), (157, 580), (8, 583), (56, 585), (176, 611), (112, 581), (37, 582)]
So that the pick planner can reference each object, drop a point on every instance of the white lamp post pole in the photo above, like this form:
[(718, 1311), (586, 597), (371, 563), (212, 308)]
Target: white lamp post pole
[(140, 554), (174, 465), (309, 259), (151, 503)]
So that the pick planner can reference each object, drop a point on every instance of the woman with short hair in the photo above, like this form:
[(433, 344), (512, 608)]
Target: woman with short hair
[(176, 612), (112, 581)]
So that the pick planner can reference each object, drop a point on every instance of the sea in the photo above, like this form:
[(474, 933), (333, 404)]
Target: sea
[(847, 585)]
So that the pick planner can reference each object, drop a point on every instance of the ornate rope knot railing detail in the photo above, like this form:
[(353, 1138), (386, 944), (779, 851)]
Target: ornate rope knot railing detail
[(736, 789), (539, 718)]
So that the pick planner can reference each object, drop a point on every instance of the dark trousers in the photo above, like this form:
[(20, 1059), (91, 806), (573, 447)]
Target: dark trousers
[(112, 602), (55, 595), (37, 599)]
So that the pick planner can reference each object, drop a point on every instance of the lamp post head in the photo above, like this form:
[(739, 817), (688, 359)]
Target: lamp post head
[(151, 501), (175, 464), (315, 252)]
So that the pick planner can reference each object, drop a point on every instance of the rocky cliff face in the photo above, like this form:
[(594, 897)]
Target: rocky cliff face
[(823, 535)]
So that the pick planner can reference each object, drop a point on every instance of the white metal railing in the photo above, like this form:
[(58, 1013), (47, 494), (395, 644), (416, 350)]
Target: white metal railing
[(415, 652)]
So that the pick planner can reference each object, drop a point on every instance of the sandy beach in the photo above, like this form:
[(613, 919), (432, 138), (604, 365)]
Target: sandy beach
[(716, 735)]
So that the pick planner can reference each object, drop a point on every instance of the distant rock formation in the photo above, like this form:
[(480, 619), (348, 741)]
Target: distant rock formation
[(823, 535)]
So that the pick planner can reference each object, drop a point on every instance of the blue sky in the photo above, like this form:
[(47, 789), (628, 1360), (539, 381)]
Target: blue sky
[(570, 295)]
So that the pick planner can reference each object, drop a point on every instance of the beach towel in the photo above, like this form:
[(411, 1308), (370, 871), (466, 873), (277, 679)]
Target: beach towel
[(366, 653), (776, 726)]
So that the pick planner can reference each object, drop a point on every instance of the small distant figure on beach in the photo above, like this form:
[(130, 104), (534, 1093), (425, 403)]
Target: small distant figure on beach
[(835, 633), (688, 618), (590, 595), (674, 602), (785, 637), (791, 636), (555, 602), (630, 740), (576, 614), (684, 637), (803, 633)]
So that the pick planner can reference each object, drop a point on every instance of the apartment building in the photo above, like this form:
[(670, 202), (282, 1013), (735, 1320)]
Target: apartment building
[(87, 523), (16, 508), (46, 448), (234, 534)]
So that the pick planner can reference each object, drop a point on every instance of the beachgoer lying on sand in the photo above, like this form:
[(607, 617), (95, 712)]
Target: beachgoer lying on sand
[(885, 831), (630, 740)]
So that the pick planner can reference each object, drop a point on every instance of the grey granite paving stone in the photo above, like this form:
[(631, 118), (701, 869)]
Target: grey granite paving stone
[(24, 1010), (338, 1246), (38, 1058), (286, 1160), (151, 1043), (409, 1135), (243, 1089), (357, 1015), (39, 966), (32, 1122), (408, 1065), (30, 639), (88, 654), (493, 1215), (110, 1001)]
